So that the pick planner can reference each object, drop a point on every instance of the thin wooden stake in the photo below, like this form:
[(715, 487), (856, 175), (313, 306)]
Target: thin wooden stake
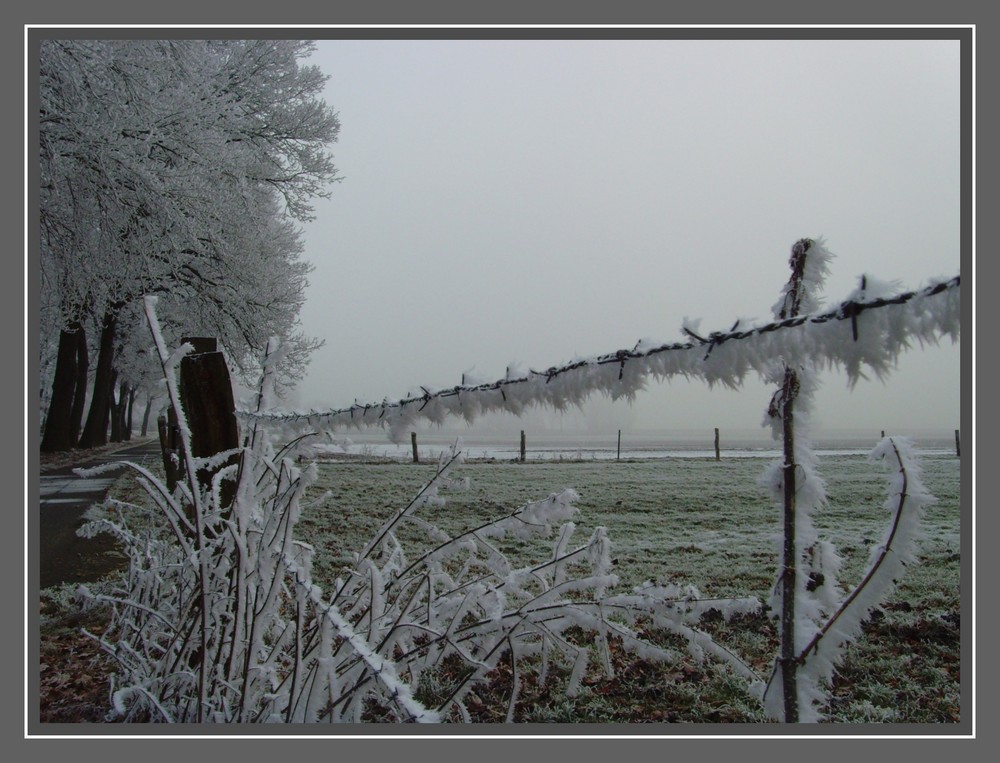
[(619, 445), (717, 444), (413, 441), (788, 573), (958, 446), (789, 391), (522, 446)]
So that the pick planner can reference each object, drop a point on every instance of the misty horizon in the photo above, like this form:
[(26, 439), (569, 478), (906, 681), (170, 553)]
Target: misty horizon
[(537, 201)]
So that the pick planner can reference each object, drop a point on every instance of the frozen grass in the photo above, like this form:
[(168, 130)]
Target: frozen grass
[(682, 520), (707, 523)]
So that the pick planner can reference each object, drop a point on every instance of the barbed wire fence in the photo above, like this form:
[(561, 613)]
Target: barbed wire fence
[(869, 329), (252, 638), (879, 328)]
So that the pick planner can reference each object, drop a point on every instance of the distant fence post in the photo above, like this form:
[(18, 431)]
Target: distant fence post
[(717, 444), (522, 446), (619, 445), (958, 446), (413, 441), (170, 448)]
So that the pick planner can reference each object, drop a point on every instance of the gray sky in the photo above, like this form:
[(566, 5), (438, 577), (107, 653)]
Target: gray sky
[(534, 201)]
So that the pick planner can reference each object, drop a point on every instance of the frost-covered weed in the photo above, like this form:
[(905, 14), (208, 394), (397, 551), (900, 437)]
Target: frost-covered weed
[(218, 618), (866, 712), (827, 618), (817, 619)]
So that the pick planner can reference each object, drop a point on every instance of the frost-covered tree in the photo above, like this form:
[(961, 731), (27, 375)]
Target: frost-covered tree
[(174, 167), (252, 291)]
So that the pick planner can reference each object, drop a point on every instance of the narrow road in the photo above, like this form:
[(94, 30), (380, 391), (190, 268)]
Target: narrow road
[(63, 556)]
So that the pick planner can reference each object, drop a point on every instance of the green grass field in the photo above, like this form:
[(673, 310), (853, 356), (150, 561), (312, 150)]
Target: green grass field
[(706, 523)]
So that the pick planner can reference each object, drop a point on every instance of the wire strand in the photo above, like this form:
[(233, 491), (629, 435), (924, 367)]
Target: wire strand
[(849, 310)]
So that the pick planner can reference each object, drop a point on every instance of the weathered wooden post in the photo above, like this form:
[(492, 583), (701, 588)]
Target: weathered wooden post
[(413, 442), (522, 446), (717, 444), (207, 398), (958, 447), (619, 445)]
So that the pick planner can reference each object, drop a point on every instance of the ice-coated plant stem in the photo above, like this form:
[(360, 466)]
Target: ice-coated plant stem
[(169, 365)]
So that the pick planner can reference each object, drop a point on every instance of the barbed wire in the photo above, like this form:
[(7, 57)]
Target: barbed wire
[(849, 310)]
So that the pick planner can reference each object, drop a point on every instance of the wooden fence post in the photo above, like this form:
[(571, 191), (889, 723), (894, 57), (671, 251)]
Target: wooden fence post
[(206, 394), (958, 447), (522, 446), (413, 442), (717, 444), (619, 445)]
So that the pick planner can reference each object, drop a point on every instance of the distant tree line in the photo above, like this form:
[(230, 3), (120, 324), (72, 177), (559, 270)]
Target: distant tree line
[(178, 168)]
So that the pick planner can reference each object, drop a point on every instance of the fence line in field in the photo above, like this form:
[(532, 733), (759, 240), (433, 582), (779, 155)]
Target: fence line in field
[(364, 622), (880, 328)]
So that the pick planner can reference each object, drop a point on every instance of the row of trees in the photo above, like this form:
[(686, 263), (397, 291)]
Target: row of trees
[(178, 168)]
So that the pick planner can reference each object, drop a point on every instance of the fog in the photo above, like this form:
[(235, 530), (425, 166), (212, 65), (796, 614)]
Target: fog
[(535, 201)]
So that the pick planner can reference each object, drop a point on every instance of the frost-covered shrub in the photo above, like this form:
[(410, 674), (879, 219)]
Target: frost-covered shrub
[(218, 619)]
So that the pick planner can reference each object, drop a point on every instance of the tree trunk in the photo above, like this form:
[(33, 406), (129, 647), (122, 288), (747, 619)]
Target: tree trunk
[(80, 396), (117, 407), (58, 423), (95, 431), (127, 428), (145, 415)]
